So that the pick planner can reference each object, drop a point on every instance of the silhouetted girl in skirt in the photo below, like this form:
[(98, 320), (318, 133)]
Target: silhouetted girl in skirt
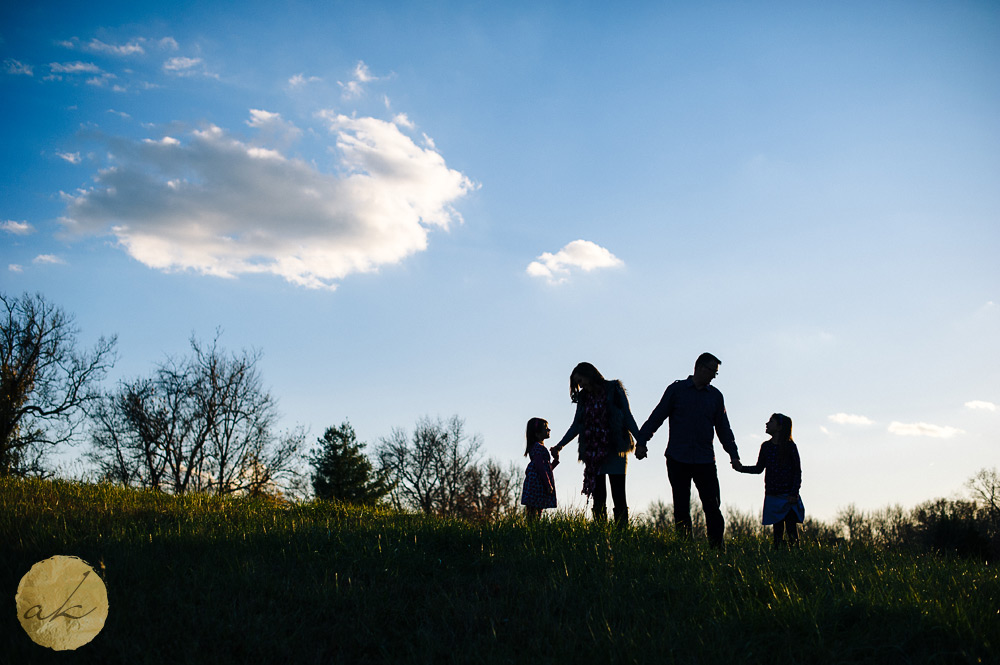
[(779, 461)]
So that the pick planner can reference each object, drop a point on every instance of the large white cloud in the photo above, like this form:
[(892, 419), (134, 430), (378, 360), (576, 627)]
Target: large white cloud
[(577, 255), (217, 205), (923, 429)]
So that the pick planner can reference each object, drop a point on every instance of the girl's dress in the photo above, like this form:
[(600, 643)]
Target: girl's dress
[(539, 483), (782, 481)]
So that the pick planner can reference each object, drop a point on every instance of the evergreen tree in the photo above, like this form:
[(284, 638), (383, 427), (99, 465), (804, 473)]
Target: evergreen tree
[(342, 471)]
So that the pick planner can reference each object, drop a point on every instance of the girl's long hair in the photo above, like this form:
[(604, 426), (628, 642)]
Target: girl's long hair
[(783, 437), (587, 371), (531, 432)]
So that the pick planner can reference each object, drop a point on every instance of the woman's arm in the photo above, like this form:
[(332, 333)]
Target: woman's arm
[(630, 423), (573, 430)]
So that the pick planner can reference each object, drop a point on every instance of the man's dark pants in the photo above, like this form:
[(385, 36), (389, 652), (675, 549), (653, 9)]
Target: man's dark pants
[(706, 479)]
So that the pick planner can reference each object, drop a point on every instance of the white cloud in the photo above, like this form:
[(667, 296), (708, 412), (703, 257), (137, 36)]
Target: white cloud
[(75, 68), (362, 73), (300, 80), (183, 66), (71, 157), (169, 44), (850, 419), (577, 255), (17, 228), (981, 405), (923, 429), (132, 48), (220, 206), (13, 267), (17, 67), (403, 120), (49, 259), (272, 128), (355, 87)]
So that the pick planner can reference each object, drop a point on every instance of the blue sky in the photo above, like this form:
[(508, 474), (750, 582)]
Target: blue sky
[(433, 210)]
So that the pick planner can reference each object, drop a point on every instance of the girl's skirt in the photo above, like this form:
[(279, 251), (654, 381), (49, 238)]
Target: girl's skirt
[(778, 506)]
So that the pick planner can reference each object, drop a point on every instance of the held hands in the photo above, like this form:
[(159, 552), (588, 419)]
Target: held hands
[(641, 451), (737, 465)]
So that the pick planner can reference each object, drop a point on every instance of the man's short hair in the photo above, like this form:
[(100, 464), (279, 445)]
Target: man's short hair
[(706, 359)]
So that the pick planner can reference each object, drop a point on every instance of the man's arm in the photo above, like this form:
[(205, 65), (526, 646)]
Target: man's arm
[(656, 418), (725, 433)]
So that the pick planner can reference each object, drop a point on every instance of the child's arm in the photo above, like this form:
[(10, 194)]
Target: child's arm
[(756, 468)]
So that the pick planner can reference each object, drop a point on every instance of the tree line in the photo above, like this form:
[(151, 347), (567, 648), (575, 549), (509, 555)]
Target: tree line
[(205, 422)]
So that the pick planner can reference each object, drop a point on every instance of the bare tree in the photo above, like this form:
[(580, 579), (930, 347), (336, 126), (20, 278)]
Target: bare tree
[(203, 423), (430, 471), (491, 491), (46, 386), (985, 487)]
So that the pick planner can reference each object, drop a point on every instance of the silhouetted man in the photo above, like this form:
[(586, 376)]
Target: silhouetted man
[(696, 412)]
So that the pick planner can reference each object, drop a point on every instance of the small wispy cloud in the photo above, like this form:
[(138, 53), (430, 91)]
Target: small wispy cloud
[(355, 87), (16, 228), (17, 68), (578, 255), (133, 47), (403, 120), (300, 80), (924, 429), (13, 267), (48, 259), (181, 64), (184, 66), (71, 157), (850, 419), (979, 405), (77, 67)]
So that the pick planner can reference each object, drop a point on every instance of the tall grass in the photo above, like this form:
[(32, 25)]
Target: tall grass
[(201, 579)]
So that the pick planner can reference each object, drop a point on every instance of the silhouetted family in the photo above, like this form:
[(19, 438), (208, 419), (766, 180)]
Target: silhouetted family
[(606, 433)]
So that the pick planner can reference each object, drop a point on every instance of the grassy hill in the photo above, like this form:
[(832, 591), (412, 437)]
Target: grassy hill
[(199, 579)]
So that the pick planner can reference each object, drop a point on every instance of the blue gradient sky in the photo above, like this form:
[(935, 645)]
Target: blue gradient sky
[(387, 201)]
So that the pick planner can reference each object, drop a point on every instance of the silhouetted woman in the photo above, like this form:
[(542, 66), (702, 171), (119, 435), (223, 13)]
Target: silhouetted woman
[(605, 427), (779, 460)]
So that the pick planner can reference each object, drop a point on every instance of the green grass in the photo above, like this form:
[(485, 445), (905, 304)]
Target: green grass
[(207, 580)]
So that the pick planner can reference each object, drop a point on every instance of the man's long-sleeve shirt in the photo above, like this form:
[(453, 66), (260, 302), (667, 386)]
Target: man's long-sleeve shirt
[(696, 415)]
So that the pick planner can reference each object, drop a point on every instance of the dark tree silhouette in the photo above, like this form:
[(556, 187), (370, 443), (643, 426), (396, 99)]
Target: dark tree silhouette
[(343, 472), (204, 423), (437, 471), (46, 386)]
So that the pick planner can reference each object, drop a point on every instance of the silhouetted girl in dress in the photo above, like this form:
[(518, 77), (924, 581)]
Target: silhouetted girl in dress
[(539, 490)]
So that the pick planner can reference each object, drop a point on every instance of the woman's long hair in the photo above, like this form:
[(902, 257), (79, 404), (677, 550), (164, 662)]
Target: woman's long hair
[(531, 432), (783, 438), (584, 370)]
